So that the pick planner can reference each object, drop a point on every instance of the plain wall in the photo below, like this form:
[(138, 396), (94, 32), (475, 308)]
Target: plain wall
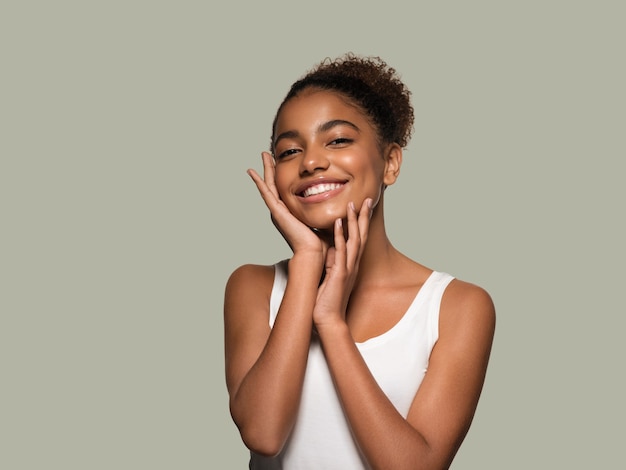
[(126, 130)]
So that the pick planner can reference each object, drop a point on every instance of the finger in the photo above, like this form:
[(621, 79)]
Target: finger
[(340, 245), (266, 185), (365, 215), (354, 236), (329, 261), (260, 184), (330, 258), (269, 172), (268, 196)]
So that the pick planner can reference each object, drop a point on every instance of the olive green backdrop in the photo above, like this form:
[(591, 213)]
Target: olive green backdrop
[(125, 132)]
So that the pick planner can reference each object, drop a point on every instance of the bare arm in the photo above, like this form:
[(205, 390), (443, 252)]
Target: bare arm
[(265, 367), (444, 406)]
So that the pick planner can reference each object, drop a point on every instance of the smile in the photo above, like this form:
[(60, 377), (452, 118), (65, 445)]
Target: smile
[(320, 188)]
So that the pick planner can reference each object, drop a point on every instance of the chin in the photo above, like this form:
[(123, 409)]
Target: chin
[(322, 226), (325, 222)]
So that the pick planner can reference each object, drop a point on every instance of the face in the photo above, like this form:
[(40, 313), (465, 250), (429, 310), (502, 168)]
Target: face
[(327, 155)]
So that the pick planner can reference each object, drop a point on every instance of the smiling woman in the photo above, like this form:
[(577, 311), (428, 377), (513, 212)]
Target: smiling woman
[(327, 156), (349, 354)]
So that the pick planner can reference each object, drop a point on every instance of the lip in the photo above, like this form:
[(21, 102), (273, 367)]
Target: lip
[(321, 196)]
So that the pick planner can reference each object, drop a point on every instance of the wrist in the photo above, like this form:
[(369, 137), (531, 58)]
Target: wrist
[(335, 327), (313, 259)]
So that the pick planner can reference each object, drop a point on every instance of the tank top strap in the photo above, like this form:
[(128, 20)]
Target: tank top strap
[(278, 289), (435, 287)]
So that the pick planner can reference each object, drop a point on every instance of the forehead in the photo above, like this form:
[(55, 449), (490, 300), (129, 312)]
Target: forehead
[(314, 107)]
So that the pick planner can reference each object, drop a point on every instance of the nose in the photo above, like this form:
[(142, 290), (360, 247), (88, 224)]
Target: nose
[(313, 160)]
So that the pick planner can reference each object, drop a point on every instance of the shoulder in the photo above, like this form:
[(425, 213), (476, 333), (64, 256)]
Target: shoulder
[(467, 296), (467, 310), (251, 272), (246, 300), (250, 278)]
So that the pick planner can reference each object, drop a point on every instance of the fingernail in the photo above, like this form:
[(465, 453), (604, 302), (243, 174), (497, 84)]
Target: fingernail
[(369, 203), (351, 204)]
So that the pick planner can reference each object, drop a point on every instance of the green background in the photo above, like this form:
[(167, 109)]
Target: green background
[(125, 132)]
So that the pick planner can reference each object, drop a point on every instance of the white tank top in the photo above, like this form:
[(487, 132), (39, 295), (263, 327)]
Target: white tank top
[(398, 359)]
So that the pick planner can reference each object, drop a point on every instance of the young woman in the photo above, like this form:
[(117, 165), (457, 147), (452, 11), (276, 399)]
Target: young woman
[(349, 354)]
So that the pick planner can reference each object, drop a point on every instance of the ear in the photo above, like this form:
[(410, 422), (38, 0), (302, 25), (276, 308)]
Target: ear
[(393, 162)]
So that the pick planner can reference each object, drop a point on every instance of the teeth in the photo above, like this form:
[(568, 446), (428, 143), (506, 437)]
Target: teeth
[(320, 188)]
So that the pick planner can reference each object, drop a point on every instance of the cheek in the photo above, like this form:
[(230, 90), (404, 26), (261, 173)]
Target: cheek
[(371, 171), (281, 182), (375, 183), (284, 192), (376, 195)]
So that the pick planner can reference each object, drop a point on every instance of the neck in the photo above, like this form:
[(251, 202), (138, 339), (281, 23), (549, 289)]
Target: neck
[(380, 257)]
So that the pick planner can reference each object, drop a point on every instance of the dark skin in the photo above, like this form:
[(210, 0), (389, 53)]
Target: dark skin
[(367, 287)]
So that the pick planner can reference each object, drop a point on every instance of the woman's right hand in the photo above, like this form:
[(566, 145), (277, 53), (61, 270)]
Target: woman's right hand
[(299, 237)]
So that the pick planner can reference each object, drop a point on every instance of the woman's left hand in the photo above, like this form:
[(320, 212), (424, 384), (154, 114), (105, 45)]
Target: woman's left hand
[(342, 264)]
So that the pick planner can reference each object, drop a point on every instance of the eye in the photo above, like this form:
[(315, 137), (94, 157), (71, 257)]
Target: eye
[(287, 153), (340, 142)]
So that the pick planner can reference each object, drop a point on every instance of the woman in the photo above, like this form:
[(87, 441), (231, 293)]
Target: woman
[(349, 354)]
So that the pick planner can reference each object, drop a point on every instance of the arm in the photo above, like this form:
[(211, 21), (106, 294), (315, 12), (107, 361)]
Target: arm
[(265, 367), (444, 405)]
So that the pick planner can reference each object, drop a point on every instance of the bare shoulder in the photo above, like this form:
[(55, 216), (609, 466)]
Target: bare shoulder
[(250, 277), (467, 309), (248, 288), (246, 313), (468, 296)]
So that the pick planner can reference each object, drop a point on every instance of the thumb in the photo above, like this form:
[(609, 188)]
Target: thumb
[(330, 257)]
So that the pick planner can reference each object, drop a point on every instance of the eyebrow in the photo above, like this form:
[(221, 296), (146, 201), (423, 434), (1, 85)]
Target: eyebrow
[(325, 127), (337, 122)]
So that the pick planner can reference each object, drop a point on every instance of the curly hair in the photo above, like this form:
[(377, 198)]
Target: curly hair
[(369, 83)]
